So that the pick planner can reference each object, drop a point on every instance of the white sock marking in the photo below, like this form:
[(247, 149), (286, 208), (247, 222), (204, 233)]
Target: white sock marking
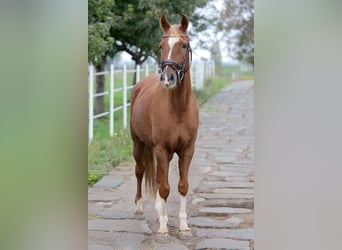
[(157, 205), (139, 207), (183, 225), (163, 217)]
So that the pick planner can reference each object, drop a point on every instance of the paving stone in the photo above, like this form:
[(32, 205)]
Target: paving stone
[(225, 159), (208, 222), (227, 196), (171, 246), (100, 225), (224, 210), (237, 203), (236, 169), (93, 209), (197, 200), (99, 247), (131, 226), (109, 181), (223, 244), (112, 214), (228, 173), (234, 191), (114, 240), (103, 196), (230, 184), (239, 234)]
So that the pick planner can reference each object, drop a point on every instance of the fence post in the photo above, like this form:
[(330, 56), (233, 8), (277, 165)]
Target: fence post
[(111, 101), (199, 72), (124, 92), (157, 68), (91, 102), (213, 72), (192, 76), (137, 73), (146, 70)]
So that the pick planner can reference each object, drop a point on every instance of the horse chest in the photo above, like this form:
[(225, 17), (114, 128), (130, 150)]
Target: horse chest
[(175, 131)]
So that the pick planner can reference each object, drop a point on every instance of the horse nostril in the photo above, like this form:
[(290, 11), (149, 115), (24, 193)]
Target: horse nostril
[(171, 77), (162, 77)]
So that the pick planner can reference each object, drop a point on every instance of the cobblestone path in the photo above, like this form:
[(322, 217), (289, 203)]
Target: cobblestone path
[(221, 193)]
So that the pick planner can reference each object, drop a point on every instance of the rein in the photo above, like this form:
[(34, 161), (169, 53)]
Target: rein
[(180, 68)]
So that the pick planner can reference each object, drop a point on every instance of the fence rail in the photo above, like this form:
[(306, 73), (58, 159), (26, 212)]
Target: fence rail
[(199, 72)]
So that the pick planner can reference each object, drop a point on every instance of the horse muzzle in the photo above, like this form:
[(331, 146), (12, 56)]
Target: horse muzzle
[(168, 80)]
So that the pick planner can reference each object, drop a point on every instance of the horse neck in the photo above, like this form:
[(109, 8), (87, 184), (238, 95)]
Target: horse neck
[(181, 95)]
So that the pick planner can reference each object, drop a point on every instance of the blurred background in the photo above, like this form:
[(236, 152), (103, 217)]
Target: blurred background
[(44, 116)]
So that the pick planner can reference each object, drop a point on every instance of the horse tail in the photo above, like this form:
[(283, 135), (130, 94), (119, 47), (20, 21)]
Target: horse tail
[(150, 164)]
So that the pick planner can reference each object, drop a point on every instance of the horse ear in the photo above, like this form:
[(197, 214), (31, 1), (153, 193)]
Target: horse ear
[(184, 23), (164, 24)]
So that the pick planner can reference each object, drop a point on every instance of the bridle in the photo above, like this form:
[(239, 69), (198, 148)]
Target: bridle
[(180, 68)]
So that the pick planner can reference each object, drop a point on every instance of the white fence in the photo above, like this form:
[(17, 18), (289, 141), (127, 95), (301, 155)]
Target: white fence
[(199, 72)]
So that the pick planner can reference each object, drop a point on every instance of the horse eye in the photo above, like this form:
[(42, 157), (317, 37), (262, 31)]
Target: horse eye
[(184, 45)]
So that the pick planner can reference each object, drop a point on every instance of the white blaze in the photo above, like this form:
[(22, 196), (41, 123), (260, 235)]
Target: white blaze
[(172, 41)]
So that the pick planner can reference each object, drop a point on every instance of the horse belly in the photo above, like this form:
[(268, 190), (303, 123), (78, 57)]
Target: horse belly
[(140, 124)]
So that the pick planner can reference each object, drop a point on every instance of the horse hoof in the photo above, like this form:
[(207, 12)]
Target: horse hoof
[(162, 231), (138, 207), (138, 211), (183, 226), (184, 235), (163, 238)]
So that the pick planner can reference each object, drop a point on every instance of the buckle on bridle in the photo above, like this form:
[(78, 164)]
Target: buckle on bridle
[(180, 75)]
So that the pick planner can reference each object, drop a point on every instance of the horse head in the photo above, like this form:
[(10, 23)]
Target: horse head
[(175, 52)]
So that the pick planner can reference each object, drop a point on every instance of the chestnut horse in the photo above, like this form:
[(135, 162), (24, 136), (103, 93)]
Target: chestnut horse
[(164, 121)]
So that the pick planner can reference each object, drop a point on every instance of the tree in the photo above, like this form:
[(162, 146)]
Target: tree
[(237, 19), (138, 32), (100, 42), (132, 26), (215, 54)]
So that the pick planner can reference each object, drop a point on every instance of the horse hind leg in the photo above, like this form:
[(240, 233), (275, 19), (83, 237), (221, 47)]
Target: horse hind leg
[(138, 150), (139, 172)]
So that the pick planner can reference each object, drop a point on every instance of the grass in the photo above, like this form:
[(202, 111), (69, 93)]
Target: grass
[(105, 152)]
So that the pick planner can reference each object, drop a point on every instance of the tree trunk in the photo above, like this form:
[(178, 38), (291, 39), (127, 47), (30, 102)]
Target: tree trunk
[(100, 87), (135, 76)]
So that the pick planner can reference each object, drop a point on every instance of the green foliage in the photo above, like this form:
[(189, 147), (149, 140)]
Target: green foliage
[(99, 42), (105, 153), (138, 32), (100, 20), (214, 85), (238, 16)]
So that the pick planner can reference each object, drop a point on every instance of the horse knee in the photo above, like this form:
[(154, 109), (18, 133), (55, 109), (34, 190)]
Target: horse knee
[(139, 171), (183, 188), (164, 190)]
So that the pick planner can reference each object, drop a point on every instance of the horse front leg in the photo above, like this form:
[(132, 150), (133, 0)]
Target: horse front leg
[(183, 185), (164, 188)]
